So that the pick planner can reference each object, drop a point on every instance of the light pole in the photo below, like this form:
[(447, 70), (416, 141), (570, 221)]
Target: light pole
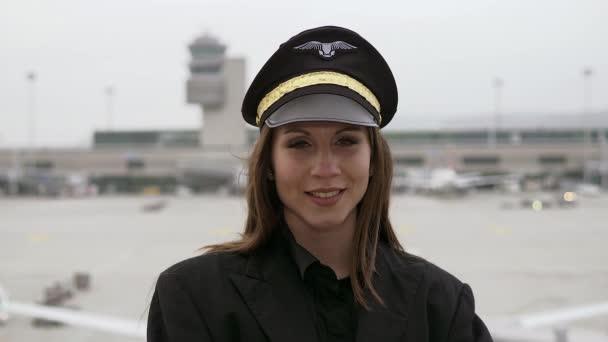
[(587, 75), (31, 80), (109, 97), (497, 85)]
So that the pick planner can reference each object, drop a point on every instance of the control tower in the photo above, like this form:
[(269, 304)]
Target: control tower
[(217, 84)]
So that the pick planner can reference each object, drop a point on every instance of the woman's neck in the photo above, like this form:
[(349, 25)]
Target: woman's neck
[(333, 246)]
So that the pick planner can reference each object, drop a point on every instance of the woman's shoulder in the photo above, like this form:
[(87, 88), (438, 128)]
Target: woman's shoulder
[(206, 266), (438, 299), (429, 277)]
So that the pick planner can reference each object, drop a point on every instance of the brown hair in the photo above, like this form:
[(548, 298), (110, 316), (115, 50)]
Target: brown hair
[(372, 215)]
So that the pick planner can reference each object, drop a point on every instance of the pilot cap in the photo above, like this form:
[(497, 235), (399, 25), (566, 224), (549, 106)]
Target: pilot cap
[(331, 61)]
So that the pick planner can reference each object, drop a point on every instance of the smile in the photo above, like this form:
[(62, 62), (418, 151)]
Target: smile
[(325, 198), (321, 194)]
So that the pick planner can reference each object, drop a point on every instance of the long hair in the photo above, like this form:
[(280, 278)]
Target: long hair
[(373, 224)]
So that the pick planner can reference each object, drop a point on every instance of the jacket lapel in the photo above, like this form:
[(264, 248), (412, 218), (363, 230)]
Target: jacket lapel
[(389, 322), (272, 288)]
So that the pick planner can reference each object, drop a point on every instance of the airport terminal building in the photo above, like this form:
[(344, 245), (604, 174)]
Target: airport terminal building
[(569, 145), (529, 147), (130, 161)]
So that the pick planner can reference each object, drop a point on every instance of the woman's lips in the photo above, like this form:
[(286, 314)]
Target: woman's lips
[(325, 198)]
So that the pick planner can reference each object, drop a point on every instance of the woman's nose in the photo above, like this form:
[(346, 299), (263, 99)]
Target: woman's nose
[(325, 164)]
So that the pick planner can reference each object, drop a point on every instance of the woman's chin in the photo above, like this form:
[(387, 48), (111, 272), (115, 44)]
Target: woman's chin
[(321, 221), (325, 224)]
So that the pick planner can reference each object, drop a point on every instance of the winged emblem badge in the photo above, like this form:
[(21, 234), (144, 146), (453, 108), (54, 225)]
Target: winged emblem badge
[(326, 50)]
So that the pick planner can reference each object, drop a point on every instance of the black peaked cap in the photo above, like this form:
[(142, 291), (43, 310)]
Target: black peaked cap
[(318, 52)]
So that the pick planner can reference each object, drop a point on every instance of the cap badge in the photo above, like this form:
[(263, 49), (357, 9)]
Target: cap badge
[(326, 50)]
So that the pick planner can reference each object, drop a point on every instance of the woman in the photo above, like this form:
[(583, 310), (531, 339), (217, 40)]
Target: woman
[(319, 259)]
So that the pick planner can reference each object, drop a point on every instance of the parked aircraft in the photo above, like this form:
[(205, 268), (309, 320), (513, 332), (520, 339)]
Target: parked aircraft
[(442, 181)]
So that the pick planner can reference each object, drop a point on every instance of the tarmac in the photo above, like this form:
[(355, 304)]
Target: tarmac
[(517, 260)]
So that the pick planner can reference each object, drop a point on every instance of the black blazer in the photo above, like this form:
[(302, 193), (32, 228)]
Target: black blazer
[(225, 297)]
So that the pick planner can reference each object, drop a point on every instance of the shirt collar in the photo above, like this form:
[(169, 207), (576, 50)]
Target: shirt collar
[(300, 255)]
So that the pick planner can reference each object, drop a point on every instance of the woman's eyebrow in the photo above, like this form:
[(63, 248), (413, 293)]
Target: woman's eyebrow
[(296, 130), (350, 129)]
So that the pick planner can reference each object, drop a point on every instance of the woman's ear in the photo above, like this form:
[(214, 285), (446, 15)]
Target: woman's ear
[(270, 175)]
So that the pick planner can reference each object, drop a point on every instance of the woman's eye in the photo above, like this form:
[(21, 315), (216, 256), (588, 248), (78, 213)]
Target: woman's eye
[(298, 144), (347, 141)]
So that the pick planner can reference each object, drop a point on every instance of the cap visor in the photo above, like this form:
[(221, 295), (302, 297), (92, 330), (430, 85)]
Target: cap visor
[(321, 107)]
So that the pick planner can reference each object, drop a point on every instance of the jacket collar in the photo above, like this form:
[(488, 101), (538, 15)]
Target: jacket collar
[(272, 287)]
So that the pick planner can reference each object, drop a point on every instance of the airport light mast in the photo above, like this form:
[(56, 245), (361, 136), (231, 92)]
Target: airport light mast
[(587, 75), (497, 84), (31, 80), (109, 97)]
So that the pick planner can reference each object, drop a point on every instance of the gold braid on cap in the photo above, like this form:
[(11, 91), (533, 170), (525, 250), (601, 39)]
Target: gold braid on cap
[(314, 78)]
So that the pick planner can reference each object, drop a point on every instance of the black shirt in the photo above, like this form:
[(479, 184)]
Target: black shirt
[(334, 304)]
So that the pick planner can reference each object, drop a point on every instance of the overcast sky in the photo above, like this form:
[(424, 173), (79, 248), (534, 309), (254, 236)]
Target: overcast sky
[(444, 55)]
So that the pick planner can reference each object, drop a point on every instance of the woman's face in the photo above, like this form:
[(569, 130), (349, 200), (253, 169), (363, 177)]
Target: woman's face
[(321, 171)]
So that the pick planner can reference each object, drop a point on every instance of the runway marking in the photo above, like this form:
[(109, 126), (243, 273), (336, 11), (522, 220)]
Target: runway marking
[(38, 237), (500, 230)]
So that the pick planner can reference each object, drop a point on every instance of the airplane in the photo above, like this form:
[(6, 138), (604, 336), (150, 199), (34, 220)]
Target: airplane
[(443, 181), (535, 327)]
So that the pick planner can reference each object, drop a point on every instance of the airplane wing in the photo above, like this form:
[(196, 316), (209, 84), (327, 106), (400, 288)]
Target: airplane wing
[(549, 326), (125, 327), (551, 318)]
